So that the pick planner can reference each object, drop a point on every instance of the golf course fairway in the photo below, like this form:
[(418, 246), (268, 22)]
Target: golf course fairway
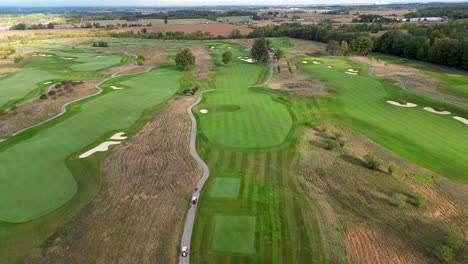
[(27, 195)]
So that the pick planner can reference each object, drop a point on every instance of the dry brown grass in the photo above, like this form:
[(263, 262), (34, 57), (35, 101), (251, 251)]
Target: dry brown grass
[(297, 83), (369, 246), (39, 110), (203, 64), (349, 194), (137, 216)]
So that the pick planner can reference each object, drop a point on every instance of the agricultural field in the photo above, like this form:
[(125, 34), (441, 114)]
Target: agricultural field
[(288, 147), (116, 22)]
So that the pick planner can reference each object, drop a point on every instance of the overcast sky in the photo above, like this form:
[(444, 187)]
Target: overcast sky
[(191, 2)]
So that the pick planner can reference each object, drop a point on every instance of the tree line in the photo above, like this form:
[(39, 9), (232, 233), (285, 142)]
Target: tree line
[(443, 44), (450, 12)]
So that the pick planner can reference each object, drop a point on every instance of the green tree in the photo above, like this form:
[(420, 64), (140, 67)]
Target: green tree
[(235, 34), (278, 54), (144, 30), (260, 50), (185, 59), (140, 62), (227, 57), (392, 168), (445, 253), (333, 46), (362, 45), (344, 48)]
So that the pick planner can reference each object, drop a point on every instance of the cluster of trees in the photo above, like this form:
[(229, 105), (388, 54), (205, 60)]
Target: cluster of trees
[(227, 57), (23, 26), (371, 18), (444, 44), (101, 44), (451, 12), (6, 51), (192, 91)]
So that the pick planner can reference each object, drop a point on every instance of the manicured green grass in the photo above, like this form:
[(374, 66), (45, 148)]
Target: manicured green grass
[(35, 178), (23, 85), (235, 234), (225, 188), (433, 141), (77, 60), (258, 122)]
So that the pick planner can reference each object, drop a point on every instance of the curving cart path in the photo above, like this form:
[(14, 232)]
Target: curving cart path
[(190, 217)]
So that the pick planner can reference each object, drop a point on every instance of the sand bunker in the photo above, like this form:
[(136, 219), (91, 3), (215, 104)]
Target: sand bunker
[(203, 111), (351, 73), (432, 110), (461, 119), (104, 146), (119, 136), (249, 60), (229, 47), (66, 58), (305, 62), (116, 88), (402, 105), (42, 55), (329, 67), (352, 70), (99, 56), (47, 82), (316, 62)]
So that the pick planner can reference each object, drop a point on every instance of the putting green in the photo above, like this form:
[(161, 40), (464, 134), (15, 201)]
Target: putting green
[(234, 234), (23, 85), (35, 179), (258, 121), (225, 188)]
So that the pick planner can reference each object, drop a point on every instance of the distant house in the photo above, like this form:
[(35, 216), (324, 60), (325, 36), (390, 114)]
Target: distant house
[(246, 22), (425, 19), (299, 19), (3, 28), (65, 26)]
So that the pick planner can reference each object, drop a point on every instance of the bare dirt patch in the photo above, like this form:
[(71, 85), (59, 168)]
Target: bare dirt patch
[(215, 28), (38, 110), (370, 246), (137, 216)]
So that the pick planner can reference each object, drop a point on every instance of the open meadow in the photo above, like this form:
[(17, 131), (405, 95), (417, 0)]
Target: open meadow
[(287, 146)]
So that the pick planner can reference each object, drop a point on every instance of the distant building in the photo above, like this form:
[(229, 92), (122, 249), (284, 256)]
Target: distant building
[(65, 26), (3, 28), (425, 19), (246, 22)]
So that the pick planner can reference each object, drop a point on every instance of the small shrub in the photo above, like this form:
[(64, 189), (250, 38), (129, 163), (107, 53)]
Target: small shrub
[(290, 69), (372, 161), (140, 62), (52, 93), (454, 242), (333, 145), (421, 200), (297, 66), (400, 200), (393, 168), (2, 111), (279, 69), (444, 253), (18, 58), (43, 96)]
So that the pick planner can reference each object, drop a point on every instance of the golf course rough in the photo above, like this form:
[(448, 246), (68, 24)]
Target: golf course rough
[(35, 179)]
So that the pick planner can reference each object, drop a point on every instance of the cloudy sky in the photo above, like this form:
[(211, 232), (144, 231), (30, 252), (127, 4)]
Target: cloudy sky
[(191, 2)]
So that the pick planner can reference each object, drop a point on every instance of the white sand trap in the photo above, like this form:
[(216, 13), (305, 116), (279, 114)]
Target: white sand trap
[(99, 56), (229, 47), (248, 60), (116, 88), (42, 55), (239, 57), (402, 105), (305, 62), (432, 110), (47, 82), (352, 70), (66, 58), (461, 119), (316, 62), (329, 67), (203, 111), (119, 136), (104, 146), (351, 73)]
